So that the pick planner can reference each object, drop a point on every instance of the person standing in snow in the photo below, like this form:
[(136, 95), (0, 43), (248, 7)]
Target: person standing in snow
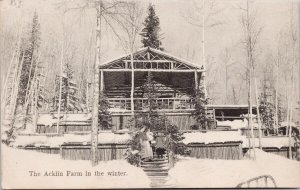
[(160, 145), (146, 150)]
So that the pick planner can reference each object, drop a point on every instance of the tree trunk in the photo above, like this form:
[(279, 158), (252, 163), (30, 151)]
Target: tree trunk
[(258, 115), (14, 96), (250, 113), (95, 114), (60, 87), (291, 114)]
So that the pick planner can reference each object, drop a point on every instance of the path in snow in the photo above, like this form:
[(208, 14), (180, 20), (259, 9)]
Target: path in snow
[(158, 172)]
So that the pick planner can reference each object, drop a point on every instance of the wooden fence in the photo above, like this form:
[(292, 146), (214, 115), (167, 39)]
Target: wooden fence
[(225, 151), (43, 149), (83, 152)]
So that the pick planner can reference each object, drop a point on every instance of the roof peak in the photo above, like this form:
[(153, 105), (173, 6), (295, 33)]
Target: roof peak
[(148, 54)]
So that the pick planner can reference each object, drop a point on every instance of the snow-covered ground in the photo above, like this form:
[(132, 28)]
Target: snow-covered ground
[(229, 173), (16, 165)]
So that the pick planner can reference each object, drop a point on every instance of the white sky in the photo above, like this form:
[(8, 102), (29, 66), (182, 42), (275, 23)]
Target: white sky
[(180, 37)]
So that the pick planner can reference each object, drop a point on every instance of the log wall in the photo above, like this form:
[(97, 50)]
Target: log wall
[(42, 129), (120, 121), (83, 152), (225, 151), (182, 121)]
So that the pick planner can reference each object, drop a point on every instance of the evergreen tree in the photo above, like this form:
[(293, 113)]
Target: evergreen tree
[(150, 32), (200, 102), (27, 65), (105, 119), (69, 100), (150, 93), (267, 107), (157, 124), (28, 54)]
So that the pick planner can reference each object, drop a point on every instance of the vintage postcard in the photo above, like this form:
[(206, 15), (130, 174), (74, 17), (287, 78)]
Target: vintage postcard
[(99, 94)]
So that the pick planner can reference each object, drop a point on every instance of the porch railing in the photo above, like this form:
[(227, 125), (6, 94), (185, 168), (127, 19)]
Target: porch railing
[(142, 103)]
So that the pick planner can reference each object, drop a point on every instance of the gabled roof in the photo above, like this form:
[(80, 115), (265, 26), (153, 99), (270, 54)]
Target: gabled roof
[(149, 54)]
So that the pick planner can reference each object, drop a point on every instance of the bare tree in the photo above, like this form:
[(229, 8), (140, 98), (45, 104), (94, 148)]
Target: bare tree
[(228, 63), (251, 35), (129, 20), (293, 43), (106, 11), (203, 16)]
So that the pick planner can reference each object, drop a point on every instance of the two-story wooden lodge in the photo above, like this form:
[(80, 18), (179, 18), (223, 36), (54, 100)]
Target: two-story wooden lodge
[(175, 80)]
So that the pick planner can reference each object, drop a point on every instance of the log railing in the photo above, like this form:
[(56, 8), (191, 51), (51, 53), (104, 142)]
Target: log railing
[(258, 182), (142, 103)]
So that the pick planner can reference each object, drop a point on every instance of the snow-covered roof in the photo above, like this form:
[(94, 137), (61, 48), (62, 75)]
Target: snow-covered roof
[(56, 141), (234, 136), (48, 119), (236, 124), (275, 141), (213, 137)]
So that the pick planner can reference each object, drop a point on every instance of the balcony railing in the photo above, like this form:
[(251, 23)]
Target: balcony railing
[(142, 103)]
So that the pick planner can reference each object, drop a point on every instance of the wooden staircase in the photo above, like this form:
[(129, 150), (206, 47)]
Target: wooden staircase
[(157, 170)]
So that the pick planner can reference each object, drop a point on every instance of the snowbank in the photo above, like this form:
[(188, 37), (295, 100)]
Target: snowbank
[(207, 173), (275, 141), (17, 164), (56, 141), (236, 124), (51, 119), (213, 137)]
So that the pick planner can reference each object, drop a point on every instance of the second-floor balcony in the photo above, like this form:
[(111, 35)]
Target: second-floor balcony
[(124, 104)]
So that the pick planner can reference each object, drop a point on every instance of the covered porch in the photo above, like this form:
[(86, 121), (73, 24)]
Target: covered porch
[(123, 81)]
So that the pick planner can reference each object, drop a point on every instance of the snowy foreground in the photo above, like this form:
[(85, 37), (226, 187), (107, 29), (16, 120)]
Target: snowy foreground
[(190, 172), (17, 165)]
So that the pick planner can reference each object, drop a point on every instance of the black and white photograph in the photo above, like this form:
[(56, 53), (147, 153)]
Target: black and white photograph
[(99, 94)]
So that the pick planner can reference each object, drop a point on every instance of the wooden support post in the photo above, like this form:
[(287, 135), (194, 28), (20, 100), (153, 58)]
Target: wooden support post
[(196, 81), (101, 80), (132, 85), (214, 118)]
